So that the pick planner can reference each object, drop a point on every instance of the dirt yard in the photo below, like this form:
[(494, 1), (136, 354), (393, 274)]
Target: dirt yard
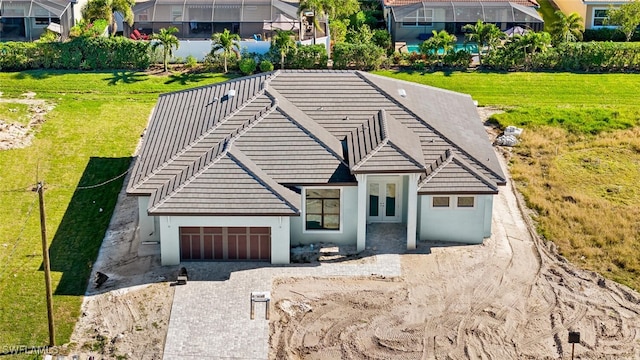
[(511, 298)]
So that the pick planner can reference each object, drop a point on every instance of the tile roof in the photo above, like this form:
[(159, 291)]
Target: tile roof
[(533, 3), (384, 144), (206, 152)]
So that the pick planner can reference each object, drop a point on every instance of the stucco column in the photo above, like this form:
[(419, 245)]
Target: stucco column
[(362, 212), (412, 211), (280, 241), (146, 224), (170, 244)]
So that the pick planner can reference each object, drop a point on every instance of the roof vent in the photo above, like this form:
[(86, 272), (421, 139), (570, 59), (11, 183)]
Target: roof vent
[(231, 93), (402, 92)]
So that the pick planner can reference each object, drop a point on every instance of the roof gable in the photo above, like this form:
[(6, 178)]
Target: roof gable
[(451, 174), (208, 191), (383, 144)]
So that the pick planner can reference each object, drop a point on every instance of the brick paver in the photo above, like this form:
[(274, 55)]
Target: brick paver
[(210, 316)]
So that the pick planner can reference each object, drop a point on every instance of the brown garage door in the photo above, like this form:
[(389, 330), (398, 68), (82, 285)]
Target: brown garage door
[(225, 243)]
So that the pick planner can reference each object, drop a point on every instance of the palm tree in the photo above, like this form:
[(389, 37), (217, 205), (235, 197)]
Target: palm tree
[(283, 41), (439, 41), (106, 9), (567, 28), (168, 41), (485, 35), (227, 42)]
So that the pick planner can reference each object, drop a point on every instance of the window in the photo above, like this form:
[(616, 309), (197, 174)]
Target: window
[(43, 21), (599, 17), (440, 201), (422, 17), (322, 209), (465, 201)]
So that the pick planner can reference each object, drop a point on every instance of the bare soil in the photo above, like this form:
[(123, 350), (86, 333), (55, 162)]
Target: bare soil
[(512, 297), (17, 136)]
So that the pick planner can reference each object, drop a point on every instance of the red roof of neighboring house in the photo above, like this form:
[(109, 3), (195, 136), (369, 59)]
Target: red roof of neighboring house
[(410, 2)]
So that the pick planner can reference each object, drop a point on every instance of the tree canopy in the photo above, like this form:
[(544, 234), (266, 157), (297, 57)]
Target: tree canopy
[(227, 42), (168, 41), (568, 28), (106, 9), (627, 17), (485, 35)]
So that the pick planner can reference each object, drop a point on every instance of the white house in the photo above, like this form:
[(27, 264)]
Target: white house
[(244, 169)]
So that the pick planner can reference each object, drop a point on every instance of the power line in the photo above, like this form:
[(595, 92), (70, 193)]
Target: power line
[(102, 183), (16, 190)]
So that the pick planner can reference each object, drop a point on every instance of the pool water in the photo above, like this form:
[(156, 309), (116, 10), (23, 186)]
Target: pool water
[(472, 48)]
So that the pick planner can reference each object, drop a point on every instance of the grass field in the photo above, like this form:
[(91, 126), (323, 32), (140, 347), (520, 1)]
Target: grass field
[(577, 167), (88, 138)]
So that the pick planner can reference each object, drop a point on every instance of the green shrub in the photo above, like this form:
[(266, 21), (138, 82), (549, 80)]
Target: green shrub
[(83, 53), (247, 66), (308, 57), (266, 66), (191, 62), (357, 56)]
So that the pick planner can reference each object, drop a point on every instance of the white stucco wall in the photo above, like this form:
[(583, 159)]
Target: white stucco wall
[(201, 48), (349, 223), (147, 226), (463, 225), (170, 244)]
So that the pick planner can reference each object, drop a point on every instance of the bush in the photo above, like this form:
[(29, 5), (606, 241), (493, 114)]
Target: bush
[(247, 66), (266, 66), (607, 34), (82, 53), (308, 57), (357, 56)]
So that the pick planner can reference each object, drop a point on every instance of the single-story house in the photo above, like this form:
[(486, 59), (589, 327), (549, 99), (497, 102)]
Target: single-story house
[(26, 20), (197, 19), (412, 21), (596, 12), (247, 168)]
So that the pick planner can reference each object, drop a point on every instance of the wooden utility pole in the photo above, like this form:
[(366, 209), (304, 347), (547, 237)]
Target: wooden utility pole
[(46, 265)]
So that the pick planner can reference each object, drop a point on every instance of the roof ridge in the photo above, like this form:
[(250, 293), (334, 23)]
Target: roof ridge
[(239, 158), (222, 148), (452, 157), (421, 121), (205, 134), (439, 164), (300, 122)]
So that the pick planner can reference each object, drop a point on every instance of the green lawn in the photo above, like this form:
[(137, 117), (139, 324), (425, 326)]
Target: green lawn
[(578, 164), (98, 118), (89, 137)]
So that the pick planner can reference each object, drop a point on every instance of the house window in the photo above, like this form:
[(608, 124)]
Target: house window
[(322, 209), (466, 201), (422, 17), (600, 17), (440, 201), (42, 21)]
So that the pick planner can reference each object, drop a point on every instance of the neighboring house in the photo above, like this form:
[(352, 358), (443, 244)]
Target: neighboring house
[(26, 20), (247, 168), (413, 21), (197, 19), (596, 12)]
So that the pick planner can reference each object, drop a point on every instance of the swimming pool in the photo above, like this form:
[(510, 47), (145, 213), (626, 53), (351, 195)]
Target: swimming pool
[(472, 48)]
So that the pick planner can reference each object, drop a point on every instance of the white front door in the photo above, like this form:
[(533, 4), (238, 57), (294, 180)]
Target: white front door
[(383, 200)]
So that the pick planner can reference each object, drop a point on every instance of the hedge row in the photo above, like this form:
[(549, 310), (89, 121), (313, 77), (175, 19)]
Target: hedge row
[(581, 56), (79, 53)]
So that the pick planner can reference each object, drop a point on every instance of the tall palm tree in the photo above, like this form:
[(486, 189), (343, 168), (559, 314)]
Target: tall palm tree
[(227, 42), (567, 28), (283, 41), (485, 35), (106, 9), (168, 41)]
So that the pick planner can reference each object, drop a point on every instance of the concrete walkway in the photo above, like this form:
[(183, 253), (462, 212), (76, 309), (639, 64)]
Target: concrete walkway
[(210, 316)]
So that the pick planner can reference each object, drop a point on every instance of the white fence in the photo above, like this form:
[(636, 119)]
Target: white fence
[(200, 48)]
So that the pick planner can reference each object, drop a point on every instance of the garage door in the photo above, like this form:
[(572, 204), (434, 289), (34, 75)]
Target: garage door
[(225, 243)]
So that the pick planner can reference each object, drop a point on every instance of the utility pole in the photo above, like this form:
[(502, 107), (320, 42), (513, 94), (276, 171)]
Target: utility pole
[(45, 264)]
